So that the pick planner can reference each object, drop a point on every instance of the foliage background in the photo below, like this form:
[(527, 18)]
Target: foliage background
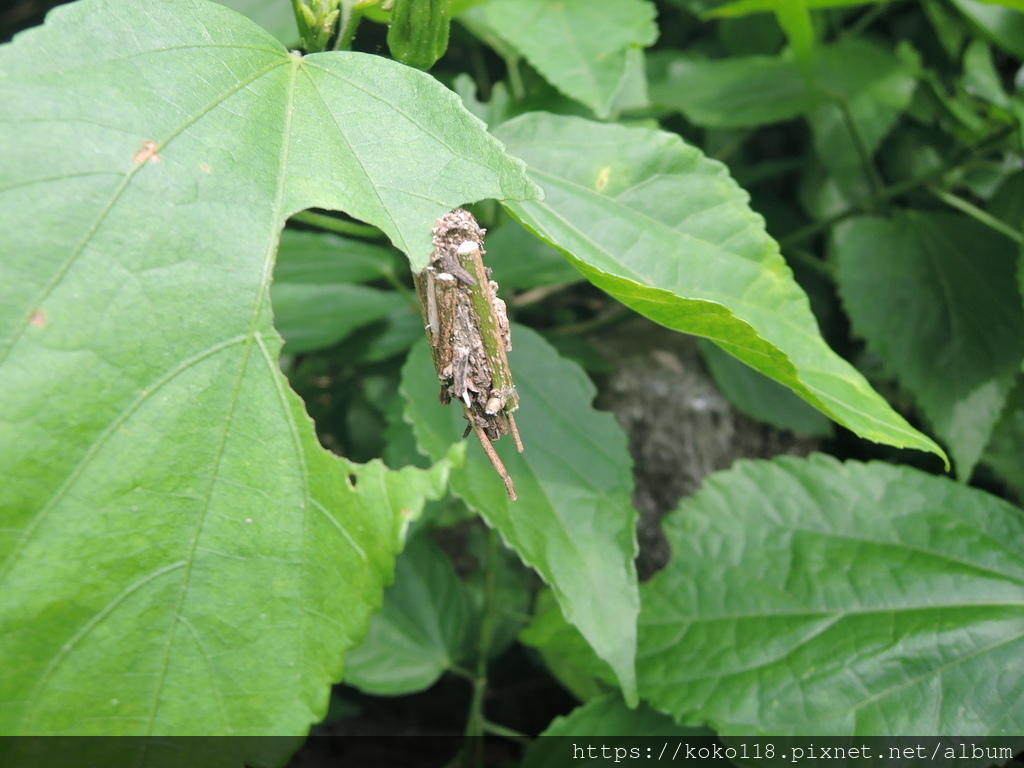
[(830, 193)]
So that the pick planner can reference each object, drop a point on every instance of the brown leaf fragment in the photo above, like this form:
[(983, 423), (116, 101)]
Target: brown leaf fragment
[(147, 152)]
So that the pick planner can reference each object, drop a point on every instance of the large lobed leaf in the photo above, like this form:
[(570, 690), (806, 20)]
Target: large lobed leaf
[(177, 553), (666, 231), (813, 597), (573, 522)]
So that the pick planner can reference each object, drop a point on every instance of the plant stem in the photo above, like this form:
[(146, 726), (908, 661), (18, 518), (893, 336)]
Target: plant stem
[(540, 293), (508, 733), (732, 146), (402, 288), (461, 671), (802, 257), (300, 20), (614, 314), (350, 18), (976, 213), (515, 80), (481, 75), (865, 20), (476, 724)]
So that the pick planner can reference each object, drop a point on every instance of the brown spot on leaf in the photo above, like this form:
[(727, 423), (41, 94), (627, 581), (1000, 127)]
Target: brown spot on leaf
[(602, 178), (38, 318), (204, 167), (147, 152)]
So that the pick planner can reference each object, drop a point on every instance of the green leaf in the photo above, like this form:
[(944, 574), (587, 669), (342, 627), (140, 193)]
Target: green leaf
[(315, 301), (1016, 5), (746, 7), (949, 30), (609, 716), (1002, 23), (493, 111), (316, 316), (156, 752), (857, 84), (761, 398), (274, 16), (1005, 450), (729, 93), (632, 91), (947, 283), (795, 19), (319, 257), (519, 260), (980, 75), (812, 597), (865, 89), (574, 522), (749, 36), (178, 554), (404, 327), (579, 46), (606, 717), (1007, 203), (417, 635), (500, 592), (565, 651), (666, 231)]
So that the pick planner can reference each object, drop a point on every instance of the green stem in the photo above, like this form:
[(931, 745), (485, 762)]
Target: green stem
[(402, 288), (339, 226), (802, 257), (305, 33), (727, 150), (540, 293), (613, 315), (350, 18), (475, 725), (481, 75), (461, 671), (866, 19), (508, 733), (515, 80), (976, 213)]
